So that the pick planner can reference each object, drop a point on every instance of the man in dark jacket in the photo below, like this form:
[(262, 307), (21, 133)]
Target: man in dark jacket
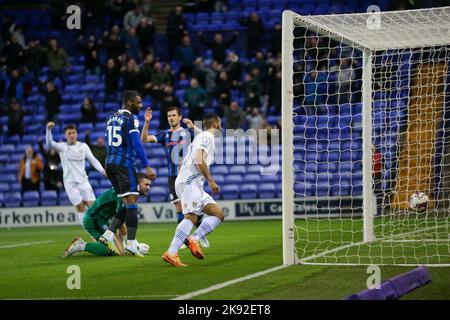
[(15, 119), (218, 46), (176, 28), (53, 100)]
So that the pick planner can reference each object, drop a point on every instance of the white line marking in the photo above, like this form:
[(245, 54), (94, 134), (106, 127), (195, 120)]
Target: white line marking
[(228, 283), (24, 244)]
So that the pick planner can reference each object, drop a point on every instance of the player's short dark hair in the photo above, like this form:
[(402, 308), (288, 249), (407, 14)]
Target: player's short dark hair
[(177, 109), (70, 127), (209, 119), (141, 176), (129, 95)]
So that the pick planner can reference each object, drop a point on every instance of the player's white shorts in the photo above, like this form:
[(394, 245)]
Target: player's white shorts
[(77, 192), (193, 198)]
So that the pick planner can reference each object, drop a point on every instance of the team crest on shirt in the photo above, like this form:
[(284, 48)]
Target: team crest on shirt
[(183, 133), (194, 203)]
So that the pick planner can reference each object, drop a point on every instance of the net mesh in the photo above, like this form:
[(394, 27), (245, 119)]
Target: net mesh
[(409, 118)]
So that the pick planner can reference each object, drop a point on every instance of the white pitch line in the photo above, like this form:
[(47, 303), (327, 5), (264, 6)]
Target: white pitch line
[(24, 244), (228, 283)]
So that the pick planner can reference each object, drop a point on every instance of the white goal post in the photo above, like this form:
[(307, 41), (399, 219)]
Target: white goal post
[(366, 118)]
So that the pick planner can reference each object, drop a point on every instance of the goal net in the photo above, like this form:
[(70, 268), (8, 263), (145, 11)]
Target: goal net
[(366, 124)]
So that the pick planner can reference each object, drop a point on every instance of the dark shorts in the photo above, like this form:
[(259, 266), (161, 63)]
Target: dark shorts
[(172, 194), (123, 179)]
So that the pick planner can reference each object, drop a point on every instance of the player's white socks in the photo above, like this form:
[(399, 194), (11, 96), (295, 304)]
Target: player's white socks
[(132, 244), (81, 216), (183, 230), (208, 224)]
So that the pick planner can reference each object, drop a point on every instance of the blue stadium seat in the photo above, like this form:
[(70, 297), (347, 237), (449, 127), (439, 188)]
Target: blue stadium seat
[(249, 191), (7, 148), (267, 190), (252, 178), (12, 199), (63, 200), (4, 187), (82, 127), (230, 191), (49, 198), (159, 193), (254, 169), (219, 169), (1, 199), (30, 198), (9, 178), (237, 169), (271, 178), (234, 179)]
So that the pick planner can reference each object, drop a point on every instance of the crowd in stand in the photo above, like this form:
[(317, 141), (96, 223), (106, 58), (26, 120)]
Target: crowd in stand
[(244, 87)]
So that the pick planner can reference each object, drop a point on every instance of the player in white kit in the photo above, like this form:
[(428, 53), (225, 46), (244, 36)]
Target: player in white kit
[(73, 156), (194, 200)]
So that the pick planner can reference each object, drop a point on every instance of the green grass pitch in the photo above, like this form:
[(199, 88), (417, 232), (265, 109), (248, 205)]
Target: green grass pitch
[(237, 249)]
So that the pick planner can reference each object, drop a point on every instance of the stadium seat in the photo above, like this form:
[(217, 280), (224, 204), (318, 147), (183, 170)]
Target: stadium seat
[(237, 170), (49, 198), (234, 179), (12, 199), (267, 190), (30, 198), (249, 191), (159, 193), (63, 200), (230, 191), (1, 199)]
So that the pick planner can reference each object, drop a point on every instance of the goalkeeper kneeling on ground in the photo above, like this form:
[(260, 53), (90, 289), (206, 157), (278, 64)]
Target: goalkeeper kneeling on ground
[(96, 221)]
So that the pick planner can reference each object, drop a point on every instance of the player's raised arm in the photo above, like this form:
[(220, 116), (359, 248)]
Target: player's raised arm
[(139, 149), (94, 161), (145, 137), (190, 125), (49, 138), (200, 163)]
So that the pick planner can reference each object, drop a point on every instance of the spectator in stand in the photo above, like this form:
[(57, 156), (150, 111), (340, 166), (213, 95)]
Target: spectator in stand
[(112, 73), (253, 91), (260, 63), (132, 18), (98, 150), (15, 119), (345, 77), (145, 32), (147, 70), (208, 76), (90, 51), (218, 46), (275, 91), (12, 54), (131, 76), (30, 168), (117, 9), (113, 44), (234, 116), (254, 31), (160, 79), (220, 6), (169, 99), (185, 56), (223, 92), (14, 86), (176, 29), (195, 100), (314, 92), (254, 118), (52, 168), (234, 69), (88, 111), (276, 40), (53, 100), (132, 44), (33, 57), (58, 62), (17, 31)]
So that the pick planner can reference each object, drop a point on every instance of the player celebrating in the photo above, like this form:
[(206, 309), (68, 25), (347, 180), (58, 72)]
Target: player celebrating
[(73, 156), (96, 221), (175, 140), (123, 143), (195, 201)]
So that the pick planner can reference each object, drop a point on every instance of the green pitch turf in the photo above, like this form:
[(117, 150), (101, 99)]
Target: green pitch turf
[(237, 249)]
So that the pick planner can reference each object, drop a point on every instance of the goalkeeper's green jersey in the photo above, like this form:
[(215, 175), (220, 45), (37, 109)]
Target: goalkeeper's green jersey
[(105, 206)]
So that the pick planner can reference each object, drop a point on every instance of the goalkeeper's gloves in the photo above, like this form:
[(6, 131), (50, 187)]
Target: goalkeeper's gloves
[(143, 248)]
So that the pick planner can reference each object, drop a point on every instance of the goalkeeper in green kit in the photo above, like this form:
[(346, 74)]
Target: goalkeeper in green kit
[(96, 222)]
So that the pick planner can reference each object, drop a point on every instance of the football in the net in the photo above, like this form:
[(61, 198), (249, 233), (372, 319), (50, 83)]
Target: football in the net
[(418, 201)]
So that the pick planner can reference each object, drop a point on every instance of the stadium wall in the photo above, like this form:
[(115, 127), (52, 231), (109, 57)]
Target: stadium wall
[(163, 212)]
